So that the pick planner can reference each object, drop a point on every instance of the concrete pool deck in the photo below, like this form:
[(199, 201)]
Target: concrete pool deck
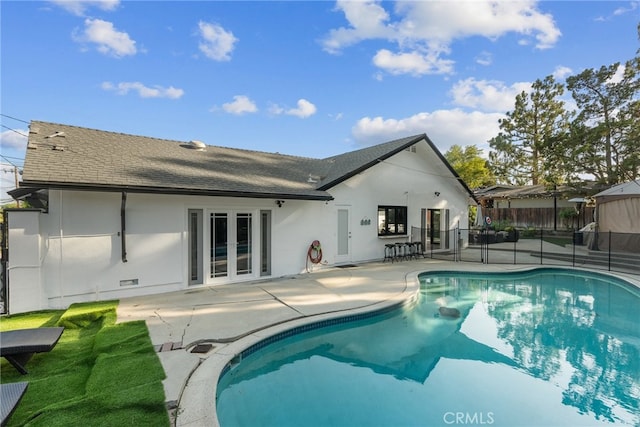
[(232, 317)]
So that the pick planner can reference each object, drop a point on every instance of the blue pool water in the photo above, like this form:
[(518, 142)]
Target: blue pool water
[(542, 348)]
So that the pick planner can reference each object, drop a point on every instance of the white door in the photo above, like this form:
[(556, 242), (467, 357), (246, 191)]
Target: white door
[(343, 252), (231, 246)]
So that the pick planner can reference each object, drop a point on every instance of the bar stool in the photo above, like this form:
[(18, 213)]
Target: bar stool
[(389, 252), (412, 250), (401, 251), (419, 251)]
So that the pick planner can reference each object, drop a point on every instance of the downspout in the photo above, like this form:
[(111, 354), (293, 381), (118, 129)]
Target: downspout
[(123, 237), (61, 262)]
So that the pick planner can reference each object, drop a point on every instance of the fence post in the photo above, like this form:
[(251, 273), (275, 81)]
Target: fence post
[(573, 257), (609, 250), (541, 235)]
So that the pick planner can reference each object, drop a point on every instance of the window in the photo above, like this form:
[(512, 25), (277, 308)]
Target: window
[(392, 220)]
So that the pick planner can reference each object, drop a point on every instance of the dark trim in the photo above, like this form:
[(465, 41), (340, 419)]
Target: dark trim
[(372, 163), (4, 262), (123, 226), (393, 153), (174, 191), (455, 174)]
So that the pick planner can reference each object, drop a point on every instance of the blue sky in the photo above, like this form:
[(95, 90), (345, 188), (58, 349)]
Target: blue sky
[(307, 78)]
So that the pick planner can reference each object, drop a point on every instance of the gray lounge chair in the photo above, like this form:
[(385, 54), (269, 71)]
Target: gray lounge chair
[(10, 396), (20, 345)]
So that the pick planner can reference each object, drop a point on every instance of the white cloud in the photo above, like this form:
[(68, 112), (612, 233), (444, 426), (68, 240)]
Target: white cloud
[(415, 63), (487, 95), (444, 127), (123, 88), (624, 10), (304, 109), (109, 40), (561, 72), (367, 19), (425, 30), (484, 58), (618, 75), (447, 21), (241, 104), (217, 43), (14, 140), (275, 109), (78, 7)]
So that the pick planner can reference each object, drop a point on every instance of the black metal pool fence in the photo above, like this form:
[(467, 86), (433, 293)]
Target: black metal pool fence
[(597, 250)]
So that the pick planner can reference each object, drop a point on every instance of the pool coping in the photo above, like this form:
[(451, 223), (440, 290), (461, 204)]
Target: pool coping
[(198, 399)]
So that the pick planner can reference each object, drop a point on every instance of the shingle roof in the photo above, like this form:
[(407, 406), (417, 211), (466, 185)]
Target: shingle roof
[(64, 156), (525, 191), (86, 158)]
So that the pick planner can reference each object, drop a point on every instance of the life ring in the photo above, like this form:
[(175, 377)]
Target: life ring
[(315, 252)]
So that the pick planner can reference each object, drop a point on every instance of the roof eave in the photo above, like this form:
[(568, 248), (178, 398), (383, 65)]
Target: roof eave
[(35, 185)]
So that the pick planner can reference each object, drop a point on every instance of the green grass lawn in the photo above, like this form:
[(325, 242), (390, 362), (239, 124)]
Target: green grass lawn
[(99, 374)]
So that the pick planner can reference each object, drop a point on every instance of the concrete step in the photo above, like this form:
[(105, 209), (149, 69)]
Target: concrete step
[(618, 261)]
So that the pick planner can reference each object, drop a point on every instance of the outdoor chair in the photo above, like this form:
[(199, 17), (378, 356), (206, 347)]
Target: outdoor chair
[(20, 345), (10, 396)]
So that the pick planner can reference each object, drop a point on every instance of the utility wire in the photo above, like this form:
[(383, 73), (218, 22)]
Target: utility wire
[(13, 130), (9, 161), (13, 118), (14, 158)]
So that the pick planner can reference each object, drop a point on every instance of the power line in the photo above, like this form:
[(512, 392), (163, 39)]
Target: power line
[(13, 130), (14, 158), (13, 118), (9, 161)]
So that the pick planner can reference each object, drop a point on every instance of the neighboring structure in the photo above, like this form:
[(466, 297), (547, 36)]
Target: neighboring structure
[(618, 218), (125, 215), (525, 196), (535, 206)]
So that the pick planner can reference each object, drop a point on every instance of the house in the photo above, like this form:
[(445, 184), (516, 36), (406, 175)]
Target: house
[(122, 215)]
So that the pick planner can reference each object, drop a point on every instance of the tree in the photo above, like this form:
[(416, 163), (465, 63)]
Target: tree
[(470, 165), (530, 146), (607, 127)]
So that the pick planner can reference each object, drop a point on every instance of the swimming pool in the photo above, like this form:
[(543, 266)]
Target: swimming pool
[(544, 347)]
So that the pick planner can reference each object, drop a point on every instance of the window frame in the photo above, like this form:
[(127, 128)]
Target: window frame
[(399, 220)]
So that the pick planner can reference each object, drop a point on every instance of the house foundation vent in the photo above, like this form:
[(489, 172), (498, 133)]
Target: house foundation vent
[(129, 282)]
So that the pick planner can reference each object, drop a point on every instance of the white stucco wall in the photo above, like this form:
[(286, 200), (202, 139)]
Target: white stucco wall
[(80, 251), (404, 180)]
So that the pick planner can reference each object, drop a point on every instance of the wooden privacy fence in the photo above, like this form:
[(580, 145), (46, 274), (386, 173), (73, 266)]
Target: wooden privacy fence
[(546, 218)]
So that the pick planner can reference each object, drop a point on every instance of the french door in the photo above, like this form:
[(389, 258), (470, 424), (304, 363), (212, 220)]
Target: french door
[(231, 245)]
